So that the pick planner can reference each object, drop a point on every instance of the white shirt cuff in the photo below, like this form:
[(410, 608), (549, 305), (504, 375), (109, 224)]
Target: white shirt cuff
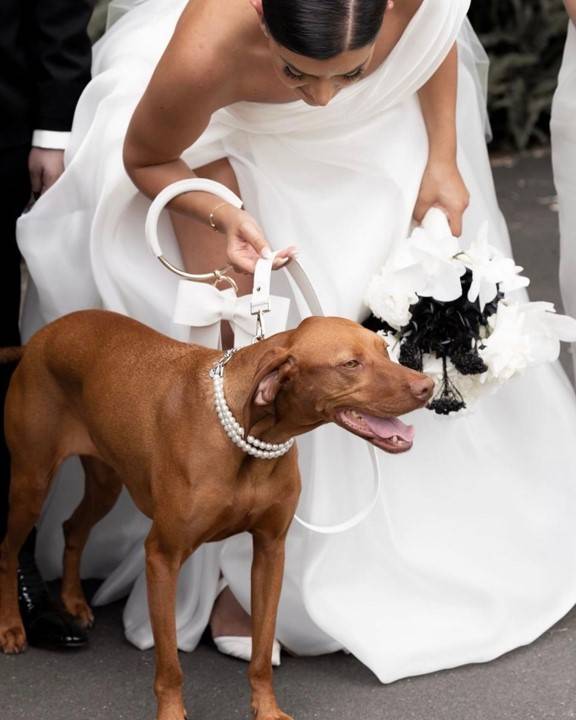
[(50, 139)]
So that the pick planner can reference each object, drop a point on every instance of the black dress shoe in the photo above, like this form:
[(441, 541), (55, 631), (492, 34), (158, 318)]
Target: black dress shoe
[(45, 623)]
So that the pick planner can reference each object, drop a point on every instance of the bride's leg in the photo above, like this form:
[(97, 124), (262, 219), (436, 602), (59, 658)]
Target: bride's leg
[(202, 251)]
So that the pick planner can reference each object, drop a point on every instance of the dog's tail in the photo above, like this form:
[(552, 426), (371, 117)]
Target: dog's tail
[(11, 355)]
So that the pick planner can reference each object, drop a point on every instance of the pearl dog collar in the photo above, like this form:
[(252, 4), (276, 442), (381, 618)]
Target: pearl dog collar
[(250, 445)]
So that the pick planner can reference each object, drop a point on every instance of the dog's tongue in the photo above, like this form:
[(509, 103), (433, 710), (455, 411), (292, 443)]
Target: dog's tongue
[(388, 427)]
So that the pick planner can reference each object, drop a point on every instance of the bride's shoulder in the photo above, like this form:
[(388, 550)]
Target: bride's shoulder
[(209, 45)]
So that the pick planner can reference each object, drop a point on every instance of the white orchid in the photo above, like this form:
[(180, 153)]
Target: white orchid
[(523, 335), (434, 249), (491, 270), (422, 266)]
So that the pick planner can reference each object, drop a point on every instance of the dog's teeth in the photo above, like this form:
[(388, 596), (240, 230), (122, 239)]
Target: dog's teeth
[(395, 439)]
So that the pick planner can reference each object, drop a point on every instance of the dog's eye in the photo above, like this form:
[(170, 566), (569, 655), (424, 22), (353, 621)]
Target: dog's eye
[(351, 364)]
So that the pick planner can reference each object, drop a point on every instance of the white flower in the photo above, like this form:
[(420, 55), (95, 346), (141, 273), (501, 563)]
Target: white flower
[(433, 249), (506, 350), (523, 335), (490, 269), (389, 296)]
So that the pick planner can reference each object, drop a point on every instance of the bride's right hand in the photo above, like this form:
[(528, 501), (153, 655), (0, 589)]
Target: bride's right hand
[(245, 241)]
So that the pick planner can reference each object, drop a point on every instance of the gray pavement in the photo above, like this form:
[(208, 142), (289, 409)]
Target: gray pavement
[(113, 680)]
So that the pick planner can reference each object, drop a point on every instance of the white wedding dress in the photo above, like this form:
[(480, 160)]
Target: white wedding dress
[(471, 550), (563, 130)]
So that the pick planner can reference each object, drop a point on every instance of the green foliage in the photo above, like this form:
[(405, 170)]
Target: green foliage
[(524, 39)]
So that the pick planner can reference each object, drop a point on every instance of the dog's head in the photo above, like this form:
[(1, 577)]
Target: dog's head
[(334, 370)]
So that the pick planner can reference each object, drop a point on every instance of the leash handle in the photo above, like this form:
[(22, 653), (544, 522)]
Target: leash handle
[(158, 205)]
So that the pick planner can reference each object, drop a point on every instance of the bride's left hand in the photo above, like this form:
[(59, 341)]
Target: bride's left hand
[(442, 186)]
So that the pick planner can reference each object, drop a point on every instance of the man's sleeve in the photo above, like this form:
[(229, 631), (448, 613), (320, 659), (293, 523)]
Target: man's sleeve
[(61, 59)]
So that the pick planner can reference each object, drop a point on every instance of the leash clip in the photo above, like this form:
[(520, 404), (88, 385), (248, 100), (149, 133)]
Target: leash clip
[(217, 370), (260, 302), (260, 332)]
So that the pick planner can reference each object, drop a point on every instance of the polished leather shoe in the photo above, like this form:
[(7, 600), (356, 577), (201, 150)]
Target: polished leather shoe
[(45, 623)]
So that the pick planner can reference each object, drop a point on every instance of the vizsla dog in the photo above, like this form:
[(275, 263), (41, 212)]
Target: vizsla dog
[(139, 410)]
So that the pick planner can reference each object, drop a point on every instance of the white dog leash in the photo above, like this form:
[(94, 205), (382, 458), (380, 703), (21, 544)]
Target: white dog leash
[(260, 305)]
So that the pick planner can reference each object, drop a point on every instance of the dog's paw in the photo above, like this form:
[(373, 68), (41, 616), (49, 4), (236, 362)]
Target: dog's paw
[(173, 715), (13, 639), (80, 611), (172, 711), (268, 711)]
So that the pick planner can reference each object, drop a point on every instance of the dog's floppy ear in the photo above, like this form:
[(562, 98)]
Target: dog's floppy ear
[(275, 368)]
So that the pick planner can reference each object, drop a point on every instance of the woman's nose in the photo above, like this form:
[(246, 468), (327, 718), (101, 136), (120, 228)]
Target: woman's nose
[(422, 388), (323, 91)]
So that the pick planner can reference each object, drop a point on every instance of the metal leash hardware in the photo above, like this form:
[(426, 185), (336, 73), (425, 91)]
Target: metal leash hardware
[(217, 369), (260, 302)]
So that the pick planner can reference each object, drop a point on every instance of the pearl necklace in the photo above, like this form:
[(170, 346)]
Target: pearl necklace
[(232, 428)]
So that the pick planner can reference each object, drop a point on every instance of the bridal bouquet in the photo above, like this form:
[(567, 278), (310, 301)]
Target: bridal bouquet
[(446, 312)]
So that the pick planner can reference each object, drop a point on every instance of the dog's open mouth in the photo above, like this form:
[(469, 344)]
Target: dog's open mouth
[(387, 433)]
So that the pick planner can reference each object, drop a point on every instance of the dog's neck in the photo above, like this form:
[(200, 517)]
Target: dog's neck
[(239, 376)]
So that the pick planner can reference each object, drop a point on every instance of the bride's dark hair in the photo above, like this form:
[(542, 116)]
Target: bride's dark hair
[(322, 29)]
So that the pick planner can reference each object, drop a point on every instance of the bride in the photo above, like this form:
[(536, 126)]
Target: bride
[(336, 123)]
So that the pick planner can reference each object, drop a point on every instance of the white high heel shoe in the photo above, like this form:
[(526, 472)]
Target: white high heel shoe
[(240, 646)]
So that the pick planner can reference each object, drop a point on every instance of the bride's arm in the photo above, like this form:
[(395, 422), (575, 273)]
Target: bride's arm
[(192, 80), (188, 85), (442, 185)]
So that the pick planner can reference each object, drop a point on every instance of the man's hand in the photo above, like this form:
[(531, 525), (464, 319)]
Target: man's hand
[(45, 168)]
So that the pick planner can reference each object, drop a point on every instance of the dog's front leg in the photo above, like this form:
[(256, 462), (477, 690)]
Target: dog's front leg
[(163, 562), (267, 571)]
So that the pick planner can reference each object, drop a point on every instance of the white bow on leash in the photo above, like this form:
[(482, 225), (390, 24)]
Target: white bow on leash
[(203, 306)]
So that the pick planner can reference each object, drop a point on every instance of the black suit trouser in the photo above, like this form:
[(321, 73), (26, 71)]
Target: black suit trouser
[(14, 196)]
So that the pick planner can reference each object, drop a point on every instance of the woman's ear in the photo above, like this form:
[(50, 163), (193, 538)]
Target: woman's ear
[(257, 5)]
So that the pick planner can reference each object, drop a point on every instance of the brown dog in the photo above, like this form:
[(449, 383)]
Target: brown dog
[(138, 408)]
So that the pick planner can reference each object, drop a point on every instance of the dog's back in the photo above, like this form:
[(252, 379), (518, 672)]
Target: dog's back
[(82, 360)]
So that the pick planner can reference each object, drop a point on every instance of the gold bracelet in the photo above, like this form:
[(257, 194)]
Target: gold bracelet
[(211, 216)]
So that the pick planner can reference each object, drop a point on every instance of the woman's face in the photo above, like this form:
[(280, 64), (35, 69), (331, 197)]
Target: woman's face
[(318, 81)]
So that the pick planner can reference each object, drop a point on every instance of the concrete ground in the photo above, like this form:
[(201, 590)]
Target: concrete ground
[(112, 680)]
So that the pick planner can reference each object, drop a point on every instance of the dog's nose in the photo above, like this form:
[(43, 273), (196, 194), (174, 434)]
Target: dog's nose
[(422, 388)]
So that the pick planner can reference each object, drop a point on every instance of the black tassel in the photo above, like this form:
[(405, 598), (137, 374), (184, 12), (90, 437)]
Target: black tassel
[(449, 399), (469, 363)]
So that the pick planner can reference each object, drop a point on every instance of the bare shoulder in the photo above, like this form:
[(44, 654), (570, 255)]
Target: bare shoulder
[(197, 74), (208, 44)]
